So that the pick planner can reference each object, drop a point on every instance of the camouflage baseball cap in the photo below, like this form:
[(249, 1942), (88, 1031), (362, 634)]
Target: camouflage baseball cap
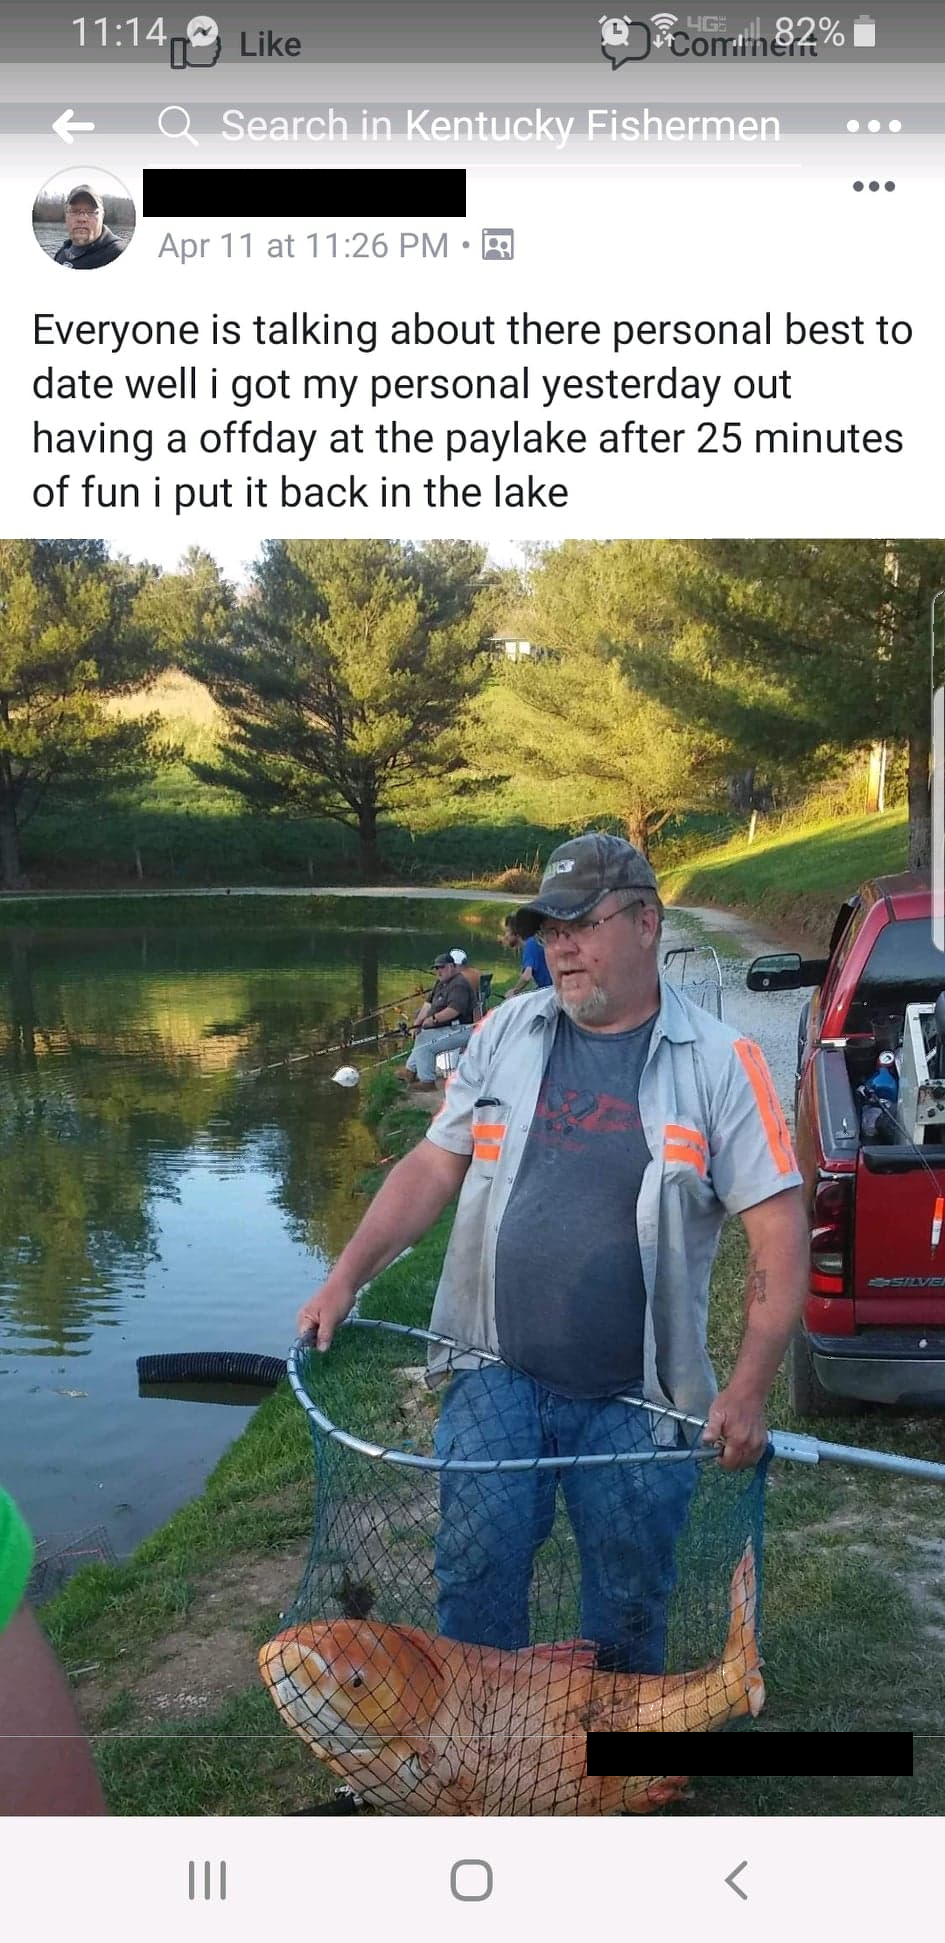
[(578, 874), (83, 193)]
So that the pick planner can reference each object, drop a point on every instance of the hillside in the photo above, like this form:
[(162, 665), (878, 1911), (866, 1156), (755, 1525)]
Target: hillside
[(798, 876)]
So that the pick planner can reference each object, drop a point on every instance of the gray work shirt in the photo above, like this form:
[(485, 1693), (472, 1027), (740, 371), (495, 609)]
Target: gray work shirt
[(719, 1144)]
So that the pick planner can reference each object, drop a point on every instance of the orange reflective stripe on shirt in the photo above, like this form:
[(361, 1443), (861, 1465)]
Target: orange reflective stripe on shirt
[(768, 1104), (487, 1140), (680, 1150), (688, 1135)]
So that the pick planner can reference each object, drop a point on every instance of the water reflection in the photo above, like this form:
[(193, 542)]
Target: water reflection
[(153, 1196)]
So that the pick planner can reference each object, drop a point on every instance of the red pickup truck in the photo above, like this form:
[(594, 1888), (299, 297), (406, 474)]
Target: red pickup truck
[(874, 1324)]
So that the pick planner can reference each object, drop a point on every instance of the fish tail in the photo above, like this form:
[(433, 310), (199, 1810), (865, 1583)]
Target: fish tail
[(695, 1702), (741, 1662)]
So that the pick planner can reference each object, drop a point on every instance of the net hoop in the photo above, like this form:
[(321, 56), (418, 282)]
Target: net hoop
[(410, 1460)]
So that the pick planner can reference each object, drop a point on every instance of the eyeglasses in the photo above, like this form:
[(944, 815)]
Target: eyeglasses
[(551, 934)]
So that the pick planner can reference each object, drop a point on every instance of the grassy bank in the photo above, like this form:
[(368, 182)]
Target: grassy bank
[(798, 877), (304, 912), (855, 1616), (793, 878), (176, 831)]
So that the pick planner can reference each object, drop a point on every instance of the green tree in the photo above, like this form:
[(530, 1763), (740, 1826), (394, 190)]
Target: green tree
[(347, 677), (69, 641), (578, 715), (795, 650), (187, 613)]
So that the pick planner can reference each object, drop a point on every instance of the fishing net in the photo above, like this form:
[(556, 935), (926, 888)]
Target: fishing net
[(495, 1573), (696, 972), (56, 1562)]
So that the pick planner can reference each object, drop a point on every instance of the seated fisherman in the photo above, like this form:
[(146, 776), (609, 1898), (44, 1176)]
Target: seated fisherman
[(473, 977), (443, 1023)]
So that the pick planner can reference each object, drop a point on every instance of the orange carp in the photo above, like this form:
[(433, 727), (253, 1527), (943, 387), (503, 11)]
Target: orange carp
[(426, 1726)]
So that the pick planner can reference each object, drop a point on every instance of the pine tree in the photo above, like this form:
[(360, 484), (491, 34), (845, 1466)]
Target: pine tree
[(347, 678), (795, 650), (70, 640), (578, 714)]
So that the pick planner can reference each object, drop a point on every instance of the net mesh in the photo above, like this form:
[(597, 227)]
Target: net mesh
[(501, 1572), (56, 1561)]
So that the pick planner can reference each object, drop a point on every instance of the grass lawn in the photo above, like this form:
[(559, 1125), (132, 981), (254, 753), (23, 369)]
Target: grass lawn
[(800, 875), (303, 911)]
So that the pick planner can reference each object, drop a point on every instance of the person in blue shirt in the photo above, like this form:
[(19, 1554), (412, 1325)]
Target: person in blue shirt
[(519, 936)]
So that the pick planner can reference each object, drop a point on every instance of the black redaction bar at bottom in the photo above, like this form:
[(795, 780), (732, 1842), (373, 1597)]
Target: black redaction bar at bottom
[(190, 195), (758, 1754)]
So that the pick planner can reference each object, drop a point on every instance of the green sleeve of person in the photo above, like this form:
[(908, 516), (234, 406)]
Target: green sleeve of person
[(16, 1558)]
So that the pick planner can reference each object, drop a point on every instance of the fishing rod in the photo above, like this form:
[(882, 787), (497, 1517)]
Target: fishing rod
[(345, 1043)]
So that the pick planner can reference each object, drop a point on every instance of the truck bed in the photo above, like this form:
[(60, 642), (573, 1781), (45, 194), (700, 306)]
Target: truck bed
[(898, 1266)]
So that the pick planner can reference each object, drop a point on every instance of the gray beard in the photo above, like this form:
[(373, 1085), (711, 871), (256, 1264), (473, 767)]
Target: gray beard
[(587, 1008)]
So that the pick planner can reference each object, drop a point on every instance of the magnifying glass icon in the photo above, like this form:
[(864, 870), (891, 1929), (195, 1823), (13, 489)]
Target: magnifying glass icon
[(173, 128)]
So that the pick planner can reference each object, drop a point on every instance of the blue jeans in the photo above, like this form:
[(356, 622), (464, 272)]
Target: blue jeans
[(445, 1038), (626, 1518)]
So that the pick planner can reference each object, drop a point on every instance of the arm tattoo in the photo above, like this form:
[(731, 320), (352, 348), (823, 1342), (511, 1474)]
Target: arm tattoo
[(756, 1286)]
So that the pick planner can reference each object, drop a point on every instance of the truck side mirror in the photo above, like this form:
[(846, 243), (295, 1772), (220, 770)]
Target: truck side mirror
[(784, 971)]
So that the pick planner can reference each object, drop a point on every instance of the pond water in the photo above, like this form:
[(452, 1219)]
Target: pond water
[(154, 1196)]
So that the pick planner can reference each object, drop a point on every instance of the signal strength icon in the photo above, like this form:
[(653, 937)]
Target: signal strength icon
[(664, 21)]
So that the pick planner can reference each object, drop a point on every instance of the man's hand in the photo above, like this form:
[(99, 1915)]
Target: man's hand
[(324, 1311), (737, 1422)]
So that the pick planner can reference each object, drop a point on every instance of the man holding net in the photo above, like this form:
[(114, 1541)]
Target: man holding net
[(597, 1134)]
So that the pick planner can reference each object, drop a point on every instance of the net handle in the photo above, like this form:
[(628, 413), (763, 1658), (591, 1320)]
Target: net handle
[(409, 1460), (791, 1446)]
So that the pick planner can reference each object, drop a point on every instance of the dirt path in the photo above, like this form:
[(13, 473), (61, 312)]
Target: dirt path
[(191, 1672)]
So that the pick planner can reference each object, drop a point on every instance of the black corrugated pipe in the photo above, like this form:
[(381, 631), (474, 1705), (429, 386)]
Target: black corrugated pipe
[(212, 1366)]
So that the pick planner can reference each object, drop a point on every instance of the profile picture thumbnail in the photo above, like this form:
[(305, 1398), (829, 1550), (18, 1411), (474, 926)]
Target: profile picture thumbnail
[(83, 219)]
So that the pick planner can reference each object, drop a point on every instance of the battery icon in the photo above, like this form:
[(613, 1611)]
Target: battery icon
[(864, 31)]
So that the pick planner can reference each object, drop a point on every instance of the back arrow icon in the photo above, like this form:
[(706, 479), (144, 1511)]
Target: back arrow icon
[(730, 1879), (67, 128)]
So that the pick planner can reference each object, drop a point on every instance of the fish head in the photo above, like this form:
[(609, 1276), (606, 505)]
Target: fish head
[(353, 1683)]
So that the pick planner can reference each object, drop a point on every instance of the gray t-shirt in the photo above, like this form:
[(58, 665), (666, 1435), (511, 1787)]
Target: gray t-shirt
[(570, 1298)]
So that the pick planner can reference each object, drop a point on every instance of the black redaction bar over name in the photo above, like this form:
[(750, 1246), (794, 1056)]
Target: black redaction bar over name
[(235, 194), (757, 1754)]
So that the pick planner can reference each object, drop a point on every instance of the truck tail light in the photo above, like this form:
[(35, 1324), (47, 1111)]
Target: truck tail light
[(831, 1225)]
